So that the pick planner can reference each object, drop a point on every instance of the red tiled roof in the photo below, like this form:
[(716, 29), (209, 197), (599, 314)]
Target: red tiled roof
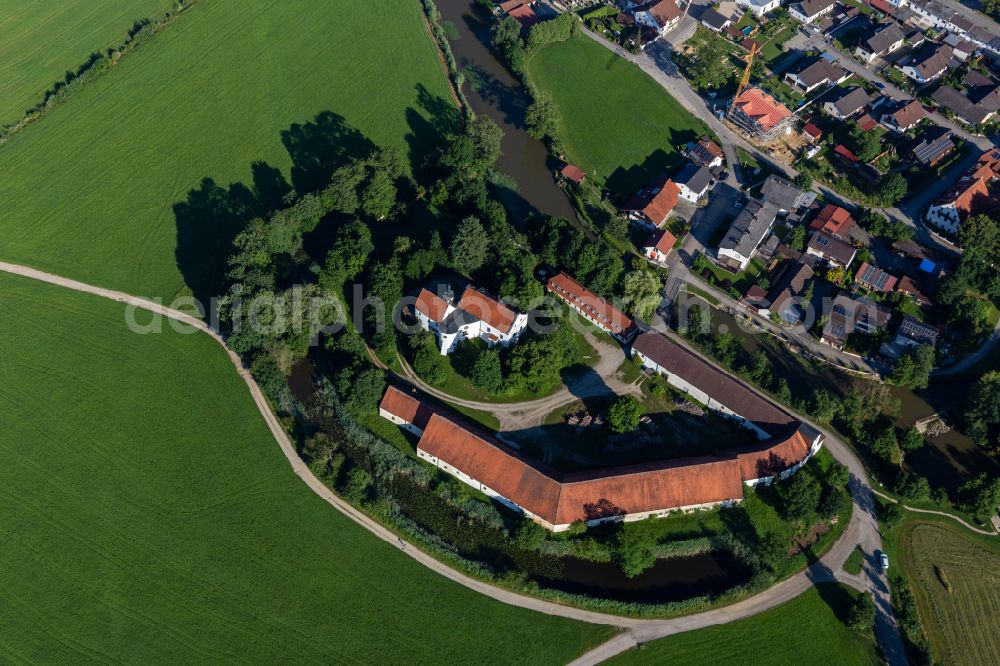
[(766, 111), (662, 240), (431, 305), (487, 309), (910, 115), (665, 11), (572, 291), (582, 496), (867, 123), (845, 153), (882, 6), (812, 131), (833, 220), (656, 200), (710, 146), (406, 407), (573, 173), (773, 458)]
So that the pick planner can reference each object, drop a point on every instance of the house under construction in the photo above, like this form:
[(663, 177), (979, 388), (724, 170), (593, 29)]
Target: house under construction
[(760, 115)]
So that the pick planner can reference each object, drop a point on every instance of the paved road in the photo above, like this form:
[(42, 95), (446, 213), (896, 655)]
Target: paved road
[(862, 529)]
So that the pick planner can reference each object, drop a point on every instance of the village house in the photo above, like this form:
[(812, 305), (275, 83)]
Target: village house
[(853, 315), (694, 182), (873, 278), (833, 220), (659, 15), (879, 42), (760, 115), (705, 153), (926, 64), (969, 196), (477, 315), (808, 11), (658, 246), (524, 11), (976, 105), (784, 194), (759, 7), (715, 21), (963, 48), (652, 205), (746, 233), (831, 249), (813, 73), (595, 309), (903, 116), (934, 146), (911, 333), (847, 103), (783, 300)]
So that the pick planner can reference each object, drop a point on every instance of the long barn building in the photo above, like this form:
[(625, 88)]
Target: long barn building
[(557, 500)]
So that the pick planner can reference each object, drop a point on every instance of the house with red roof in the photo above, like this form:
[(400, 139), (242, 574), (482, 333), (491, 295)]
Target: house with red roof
[(659, 15), (652, 205), (812, 133), (833, 220), (705, 153), (476, 315), (760, 115), (659, 245), (969, 196), (595, 309)]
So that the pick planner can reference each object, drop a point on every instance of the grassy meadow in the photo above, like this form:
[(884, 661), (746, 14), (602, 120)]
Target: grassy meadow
[(957, 585), (149, 517), (107, 188), (806, 630), (41, 39), (616, 121)]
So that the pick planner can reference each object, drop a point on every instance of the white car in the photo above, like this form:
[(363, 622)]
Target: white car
[(885, 561)]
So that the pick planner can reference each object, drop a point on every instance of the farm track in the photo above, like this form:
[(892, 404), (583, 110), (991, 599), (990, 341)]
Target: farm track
[(937, 513), (862, 528)]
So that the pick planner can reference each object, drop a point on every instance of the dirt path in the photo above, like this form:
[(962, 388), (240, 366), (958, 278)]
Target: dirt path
[(862, 528), (601, 380), (937, 513)]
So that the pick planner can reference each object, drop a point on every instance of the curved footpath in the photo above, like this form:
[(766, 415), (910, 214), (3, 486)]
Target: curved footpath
[(862, 529), (937, 513)]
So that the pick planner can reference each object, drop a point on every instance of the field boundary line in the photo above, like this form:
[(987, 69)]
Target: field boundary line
[(637, 631), (936, 513)]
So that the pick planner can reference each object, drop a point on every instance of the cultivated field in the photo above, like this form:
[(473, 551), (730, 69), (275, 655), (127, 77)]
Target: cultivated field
[(958, 584), (41, 39), (92, 191), (616, 121), (803, 631), (148, 516)]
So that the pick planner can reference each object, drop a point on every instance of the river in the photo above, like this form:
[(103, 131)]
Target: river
[(493, 92)]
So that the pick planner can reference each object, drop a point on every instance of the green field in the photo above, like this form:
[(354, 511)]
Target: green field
[(92, 191), (616, 121), (149, 517), (806, 630), (41, 39), (957, 585)]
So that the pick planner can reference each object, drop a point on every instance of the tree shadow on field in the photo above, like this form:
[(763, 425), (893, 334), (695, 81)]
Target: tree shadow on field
[(319, 147), (211, 215), (434, 118)]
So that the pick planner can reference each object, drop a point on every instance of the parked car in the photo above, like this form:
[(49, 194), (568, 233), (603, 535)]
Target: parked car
[(879, 85), (884, 559)]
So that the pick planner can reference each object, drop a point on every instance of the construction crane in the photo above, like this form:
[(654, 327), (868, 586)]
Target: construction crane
[(746, 76)]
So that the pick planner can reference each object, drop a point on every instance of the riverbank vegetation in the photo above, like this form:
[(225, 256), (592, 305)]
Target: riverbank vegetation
[(808, 629), (152, 517)]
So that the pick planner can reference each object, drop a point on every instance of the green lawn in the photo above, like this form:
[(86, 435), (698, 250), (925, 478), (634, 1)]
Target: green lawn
[(149, 517), (616, 122), (807, 630), (855, 562), (94, 190), (40, 40)]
